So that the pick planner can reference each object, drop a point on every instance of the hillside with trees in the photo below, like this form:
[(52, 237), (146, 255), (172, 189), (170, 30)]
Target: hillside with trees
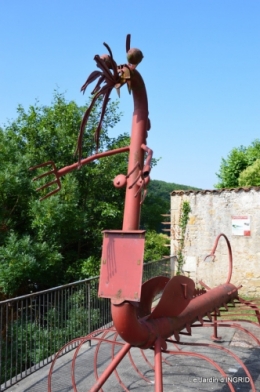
[(158, 202)]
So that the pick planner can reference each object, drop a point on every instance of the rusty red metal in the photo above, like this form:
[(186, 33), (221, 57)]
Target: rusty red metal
[(110, 336), (230, 256), (172, 314), (111, 367), (116, 281), (158, 365), (181, 305), (68, 169)]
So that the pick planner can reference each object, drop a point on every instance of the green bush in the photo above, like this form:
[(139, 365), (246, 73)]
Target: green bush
[(35, 334), (155, 246)]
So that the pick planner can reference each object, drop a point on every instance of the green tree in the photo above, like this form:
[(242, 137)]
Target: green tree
[(59, 240), (155, 246), (157, 203), (251, 175), (152, 209), (240, 160), (48, 243)]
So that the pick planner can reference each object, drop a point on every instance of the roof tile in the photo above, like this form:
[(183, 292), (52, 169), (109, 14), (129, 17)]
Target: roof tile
[(213, 191)]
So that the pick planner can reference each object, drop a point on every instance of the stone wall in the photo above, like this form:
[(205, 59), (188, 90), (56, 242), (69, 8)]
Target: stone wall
[(211, 214)]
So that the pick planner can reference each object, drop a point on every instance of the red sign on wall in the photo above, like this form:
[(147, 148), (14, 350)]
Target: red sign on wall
[(241, 225)]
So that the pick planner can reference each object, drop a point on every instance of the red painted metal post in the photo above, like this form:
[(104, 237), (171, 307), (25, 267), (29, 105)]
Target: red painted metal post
[(215, 328), (158, 366), (111, 367), (136, 153)]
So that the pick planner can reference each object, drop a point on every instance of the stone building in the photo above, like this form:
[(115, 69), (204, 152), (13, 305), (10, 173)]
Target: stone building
[(233, 212)]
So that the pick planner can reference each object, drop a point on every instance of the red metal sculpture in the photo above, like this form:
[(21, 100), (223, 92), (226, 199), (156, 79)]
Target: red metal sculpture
[(180, 305)]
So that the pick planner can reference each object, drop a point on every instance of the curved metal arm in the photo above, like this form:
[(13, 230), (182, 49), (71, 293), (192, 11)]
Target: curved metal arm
[(67, 169), (230, 257)]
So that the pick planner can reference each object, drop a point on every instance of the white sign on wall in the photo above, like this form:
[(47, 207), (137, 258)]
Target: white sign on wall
[(241, 225)]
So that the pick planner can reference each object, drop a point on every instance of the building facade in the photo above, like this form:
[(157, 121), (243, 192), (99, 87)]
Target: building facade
[(233, 212)]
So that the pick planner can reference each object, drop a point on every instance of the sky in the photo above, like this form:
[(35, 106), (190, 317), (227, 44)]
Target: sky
[(201, 68)]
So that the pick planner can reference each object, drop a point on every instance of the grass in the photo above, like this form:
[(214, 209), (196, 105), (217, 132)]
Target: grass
[(240, 311)]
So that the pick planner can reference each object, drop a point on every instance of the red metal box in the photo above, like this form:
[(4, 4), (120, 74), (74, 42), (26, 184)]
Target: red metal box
[(122, 265)]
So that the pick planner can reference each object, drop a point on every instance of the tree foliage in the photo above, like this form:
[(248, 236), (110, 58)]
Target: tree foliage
[(157, 203), (47, 243), (251, 175), (155, 246), (241, 168), (43, 244)]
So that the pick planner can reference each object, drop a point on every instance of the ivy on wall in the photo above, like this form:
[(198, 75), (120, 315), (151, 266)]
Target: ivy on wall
[(184, 218)]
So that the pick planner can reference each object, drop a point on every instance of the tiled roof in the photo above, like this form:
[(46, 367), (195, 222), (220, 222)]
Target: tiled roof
[(214, 191)]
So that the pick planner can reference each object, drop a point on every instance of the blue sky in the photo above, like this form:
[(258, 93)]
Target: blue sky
[(201, 67)]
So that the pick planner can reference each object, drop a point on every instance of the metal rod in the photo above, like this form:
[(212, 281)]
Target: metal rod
[(215, 327), (109, 370), (68, 169), (158, 366)]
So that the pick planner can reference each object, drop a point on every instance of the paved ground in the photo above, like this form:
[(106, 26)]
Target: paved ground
[(180, 372)]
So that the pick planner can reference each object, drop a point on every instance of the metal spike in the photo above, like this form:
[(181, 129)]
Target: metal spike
[(47, 185), (209, 316), (43, 175), (129, 86), (49, 194), (176, 335), (225, 306), (183, 285), (42, 165), (54, 172), (128, 40)]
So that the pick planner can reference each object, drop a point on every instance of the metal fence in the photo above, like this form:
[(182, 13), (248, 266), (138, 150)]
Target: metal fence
[(35, 326)]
